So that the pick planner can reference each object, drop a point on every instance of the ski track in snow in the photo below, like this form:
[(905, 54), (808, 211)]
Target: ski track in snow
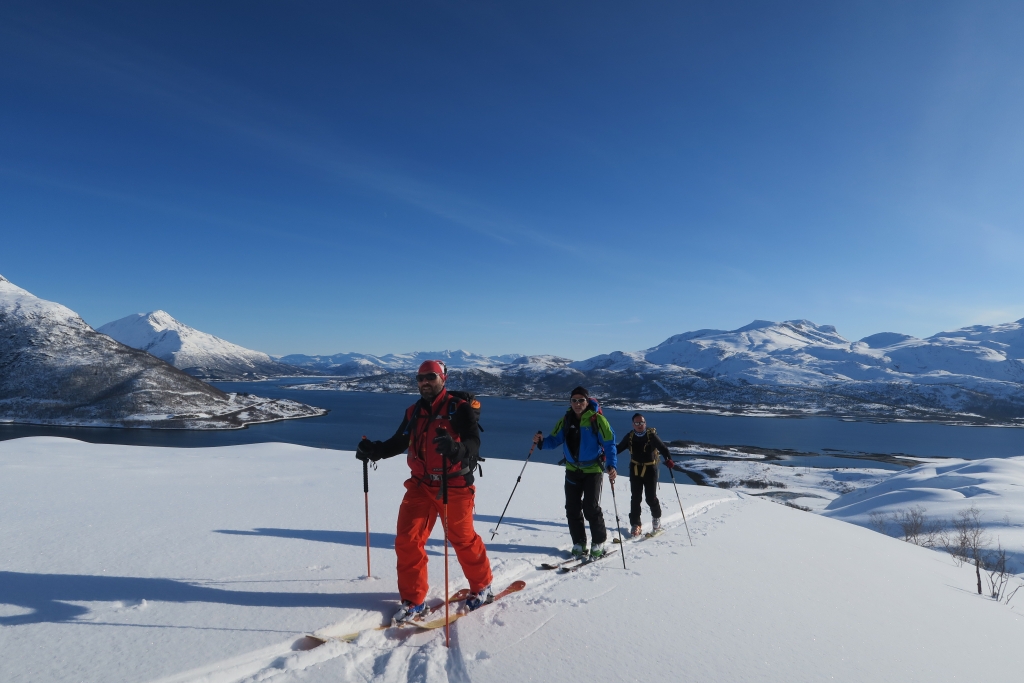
[(391, 655)]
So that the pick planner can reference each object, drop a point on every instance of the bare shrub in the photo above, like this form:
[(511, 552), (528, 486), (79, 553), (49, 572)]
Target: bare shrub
[(971, 539), (952, 543), (911, 522), (916, 527), (762, 484), (879, 521), (998, 573)]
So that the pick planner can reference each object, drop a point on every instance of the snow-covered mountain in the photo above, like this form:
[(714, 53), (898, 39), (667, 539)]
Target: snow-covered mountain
[(798, 352), (361, 364), (796, 367), (55, 369), (197, 353)]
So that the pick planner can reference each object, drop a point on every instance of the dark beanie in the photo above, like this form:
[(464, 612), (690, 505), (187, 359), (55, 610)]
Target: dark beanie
[(580, 391)]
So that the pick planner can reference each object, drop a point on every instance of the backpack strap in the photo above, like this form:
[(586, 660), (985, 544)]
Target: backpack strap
[(640, 467)]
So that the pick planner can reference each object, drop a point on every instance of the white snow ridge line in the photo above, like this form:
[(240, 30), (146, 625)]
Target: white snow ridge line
[(706, 505)]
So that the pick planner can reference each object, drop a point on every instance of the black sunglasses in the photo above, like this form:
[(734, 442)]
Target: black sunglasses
[(577, 400), (429, 377)]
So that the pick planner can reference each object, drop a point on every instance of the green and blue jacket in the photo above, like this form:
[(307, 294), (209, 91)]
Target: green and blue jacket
[(594, 435)]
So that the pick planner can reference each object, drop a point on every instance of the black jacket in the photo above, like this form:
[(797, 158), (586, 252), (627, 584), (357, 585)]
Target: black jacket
[(643, 450)]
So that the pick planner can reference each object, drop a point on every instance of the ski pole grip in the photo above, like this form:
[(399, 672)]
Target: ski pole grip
[(366, 475)]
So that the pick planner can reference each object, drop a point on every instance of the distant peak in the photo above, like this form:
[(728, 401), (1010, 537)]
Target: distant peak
[(756, 325), (3, 279), (883, 339)]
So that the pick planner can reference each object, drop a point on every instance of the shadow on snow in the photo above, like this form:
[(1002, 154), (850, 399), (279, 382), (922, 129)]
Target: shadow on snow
[(49, 595), (377, 540)]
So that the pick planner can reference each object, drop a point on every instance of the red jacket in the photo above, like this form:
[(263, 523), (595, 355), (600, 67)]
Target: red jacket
[(419, 429)]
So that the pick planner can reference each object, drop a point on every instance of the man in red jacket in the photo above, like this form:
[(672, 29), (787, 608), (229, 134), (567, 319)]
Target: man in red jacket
[(439, 426)]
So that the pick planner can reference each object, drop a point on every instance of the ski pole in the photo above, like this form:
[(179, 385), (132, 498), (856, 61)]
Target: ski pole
[(618, 526), (366, 503), (672, 474), (518, 479), (444, 524)]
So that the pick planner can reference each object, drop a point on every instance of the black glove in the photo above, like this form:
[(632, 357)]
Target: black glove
[(447, 446), (368, 450)]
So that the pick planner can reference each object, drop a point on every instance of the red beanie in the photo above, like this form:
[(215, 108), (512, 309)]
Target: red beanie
[(433, 366)]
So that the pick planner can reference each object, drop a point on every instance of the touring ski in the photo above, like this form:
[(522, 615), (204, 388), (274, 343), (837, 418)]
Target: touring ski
[(559, 565), (455, 597), (584, 563), (514, 587), (642, 537)]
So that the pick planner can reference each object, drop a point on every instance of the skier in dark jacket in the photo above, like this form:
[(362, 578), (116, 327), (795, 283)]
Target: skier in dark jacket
[(588, 443), (644, 445), (440, 427)]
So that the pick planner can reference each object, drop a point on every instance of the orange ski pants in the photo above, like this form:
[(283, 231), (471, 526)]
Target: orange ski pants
[(420, 508)]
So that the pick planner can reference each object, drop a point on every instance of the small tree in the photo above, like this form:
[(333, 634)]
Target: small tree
[(971, 540), (997, 574)]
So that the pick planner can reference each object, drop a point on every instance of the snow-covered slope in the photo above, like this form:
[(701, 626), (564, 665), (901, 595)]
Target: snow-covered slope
[(55, 369), (197, 353), (180, 565), (994, 486)]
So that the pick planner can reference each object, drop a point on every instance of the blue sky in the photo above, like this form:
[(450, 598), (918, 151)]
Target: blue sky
[(533, 177)]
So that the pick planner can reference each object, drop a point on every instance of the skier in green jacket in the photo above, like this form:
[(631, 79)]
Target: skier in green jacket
[(588, 443)]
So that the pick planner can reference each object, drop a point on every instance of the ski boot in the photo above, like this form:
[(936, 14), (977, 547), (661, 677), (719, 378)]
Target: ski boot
[(597, 551), (409, 612), (579, 551), (656, 525), (636, 531), (480, 598)]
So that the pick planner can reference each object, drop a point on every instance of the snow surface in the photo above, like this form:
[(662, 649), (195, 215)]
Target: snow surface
[(811, 488), (995, 486), (198, 353), (147, 564)]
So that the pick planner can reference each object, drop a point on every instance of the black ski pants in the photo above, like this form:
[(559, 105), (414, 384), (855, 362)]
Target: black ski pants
[(583, 499), (645, 485)]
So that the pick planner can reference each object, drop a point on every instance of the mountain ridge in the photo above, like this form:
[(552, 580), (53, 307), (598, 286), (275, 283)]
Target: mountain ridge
[(56, 369), (794, 367), (192, 351)]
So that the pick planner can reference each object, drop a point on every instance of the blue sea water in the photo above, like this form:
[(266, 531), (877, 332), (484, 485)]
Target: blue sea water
[(510, 423)]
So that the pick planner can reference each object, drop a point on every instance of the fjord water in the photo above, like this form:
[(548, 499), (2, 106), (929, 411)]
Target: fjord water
[(509, 423)]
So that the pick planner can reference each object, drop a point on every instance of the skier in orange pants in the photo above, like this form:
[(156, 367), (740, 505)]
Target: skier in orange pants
[(441, 425)]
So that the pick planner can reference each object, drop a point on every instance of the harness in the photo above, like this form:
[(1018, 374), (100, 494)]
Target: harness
[(637, 470)]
